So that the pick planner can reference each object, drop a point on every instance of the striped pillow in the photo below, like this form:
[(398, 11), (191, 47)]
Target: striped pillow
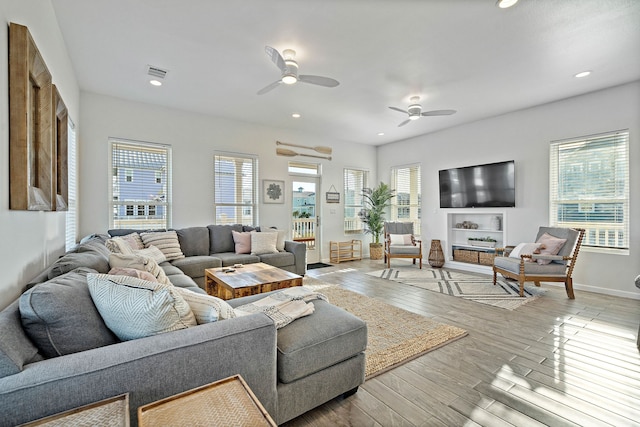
[(166, 241), (134, 308), (206, 308)]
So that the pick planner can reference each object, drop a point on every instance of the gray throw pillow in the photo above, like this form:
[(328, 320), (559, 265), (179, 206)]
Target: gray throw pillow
[(72, 260), (194, 241), (60, 318)]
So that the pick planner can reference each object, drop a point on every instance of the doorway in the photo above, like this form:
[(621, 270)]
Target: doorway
[(305, 209)]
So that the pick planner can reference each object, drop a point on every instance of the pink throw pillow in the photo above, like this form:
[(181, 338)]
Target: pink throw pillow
[(242, 241), (550, 246)]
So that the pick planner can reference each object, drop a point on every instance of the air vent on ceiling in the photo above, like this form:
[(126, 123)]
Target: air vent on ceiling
[(157, 72)]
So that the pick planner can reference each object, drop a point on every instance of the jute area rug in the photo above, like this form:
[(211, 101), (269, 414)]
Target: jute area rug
[(395, 336), (473, 287)]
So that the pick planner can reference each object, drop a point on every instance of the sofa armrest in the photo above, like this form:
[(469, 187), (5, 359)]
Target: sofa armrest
[(299, 250), (148, 369)]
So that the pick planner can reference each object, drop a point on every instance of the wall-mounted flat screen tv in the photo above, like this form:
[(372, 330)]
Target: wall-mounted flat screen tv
[(481, 186)]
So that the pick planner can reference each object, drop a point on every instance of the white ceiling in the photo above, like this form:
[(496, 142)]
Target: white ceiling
[(466, 55)]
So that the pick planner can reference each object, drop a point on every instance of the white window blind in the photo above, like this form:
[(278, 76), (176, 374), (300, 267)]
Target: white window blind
[(406, 206), (354, 182), (589, 187), (71, 220), (235, 189), (138, 198)]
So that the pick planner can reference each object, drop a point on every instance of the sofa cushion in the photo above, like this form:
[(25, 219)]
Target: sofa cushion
[(70, 261), (281, 259), (220, 238), (194, 266), (207, 308), (134, 308), (230, 258), (16, 350), (60, 318), (183, 281), (194, 241), (166, 241)]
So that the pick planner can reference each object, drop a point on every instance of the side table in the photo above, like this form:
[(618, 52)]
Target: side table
[(229, 401)]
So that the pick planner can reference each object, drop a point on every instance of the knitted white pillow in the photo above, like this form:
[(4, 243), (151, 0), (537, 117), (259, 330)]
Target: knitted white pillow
[(166, 241), (263, 243), (134, 308), (139, 262)]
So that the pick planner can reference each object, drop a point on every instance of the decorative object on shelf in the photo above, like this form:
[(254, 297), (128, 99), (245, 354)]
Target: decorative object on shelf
[(496, 223), (436, 257), (333, 196), (272, 191), (483, 242), (32, 155), (375, 201)]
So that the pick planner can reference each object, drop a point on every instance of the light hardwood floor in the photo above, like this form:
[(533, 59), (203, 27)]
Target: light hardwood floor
[(553, 361)]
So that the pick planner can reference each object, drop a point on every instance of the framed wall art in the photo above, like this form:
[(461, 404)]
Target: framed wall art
[(272, 191)]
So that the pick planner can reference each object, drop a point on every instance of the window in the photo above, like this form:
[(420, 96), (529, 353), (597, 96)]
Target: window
[(354, 182), (71, 221), (406, 206), (235, 189), (589, 188), (303, 168), (137, 167)]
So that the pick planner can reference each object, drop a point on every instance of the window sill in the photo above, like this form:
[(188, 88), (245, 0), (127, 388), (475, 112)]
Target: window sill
[(608, 251)]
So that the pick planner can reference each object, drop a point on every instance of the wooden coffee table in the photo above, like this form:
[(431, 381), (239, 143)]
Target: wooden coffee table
[(250, 279)]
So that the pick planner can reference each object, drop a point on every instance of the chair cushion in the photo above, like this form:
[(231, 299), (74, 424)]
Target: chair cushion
[(400, 239), (513, 265), (404, 250), (60, 318)]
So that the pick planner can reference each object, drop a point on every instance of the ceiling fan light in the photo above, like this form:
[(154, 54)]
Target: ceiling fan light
[(289, 79), (503, 4), (414, 117)]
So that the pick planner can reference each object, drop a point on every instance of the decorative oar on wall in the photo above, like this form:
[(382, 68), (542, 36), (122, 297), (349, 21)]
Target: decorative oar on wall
[(291, 153), (318, 148)]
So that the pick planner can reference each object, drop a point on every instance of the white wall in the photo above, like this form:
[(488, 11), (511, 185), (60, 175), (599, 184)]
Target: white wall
[(194, 139), (30, 240), (524, 136)]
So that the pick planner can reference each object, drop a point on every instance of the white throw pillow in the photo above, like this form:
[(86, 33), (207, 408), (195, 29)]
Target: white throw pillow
[(525, 248), (166, 241), (118, 245), (263, 243), (400, 239), (206, 308), (134, 308)]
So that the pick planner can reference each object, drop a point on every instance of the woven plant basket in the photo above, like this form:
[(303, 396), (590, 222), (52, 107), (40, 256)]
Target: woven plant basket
[(375, 251)]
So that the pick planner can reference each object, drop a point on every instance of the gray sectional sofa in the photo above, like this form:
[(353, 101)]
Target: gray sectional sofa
[(57, 354)]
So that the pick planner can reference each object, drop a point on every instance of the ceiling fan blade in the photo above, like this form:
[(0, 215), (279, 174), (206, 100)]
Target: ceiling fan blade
[(404, 123), (276, 58), (319, 80), (269, 87), (439, 113), (398, 109)]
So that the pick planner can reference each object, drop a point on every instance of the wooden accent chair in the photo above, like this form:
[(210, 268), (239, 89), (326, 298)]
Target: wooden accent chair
[(399, 242), (527, 268)]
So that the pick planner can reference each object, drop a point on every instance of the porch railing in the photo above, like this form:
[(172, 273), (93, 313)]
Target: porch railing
[(304, 230)]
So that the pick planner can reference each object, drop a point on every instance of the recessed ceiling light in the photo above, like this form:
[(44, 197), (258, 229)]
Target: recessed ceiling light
[(155, 82), (380, 133), (503, 4), (583, 74), (296, 115)]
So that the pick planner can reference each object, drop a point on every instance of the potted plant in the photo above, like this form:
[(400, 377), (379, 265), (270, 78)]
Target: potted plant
[(375, 201), (485, 242)]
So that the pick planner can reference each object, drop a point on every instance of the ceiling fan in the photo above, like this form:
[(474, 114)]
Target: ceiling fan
[(289, 68), (415, 111)]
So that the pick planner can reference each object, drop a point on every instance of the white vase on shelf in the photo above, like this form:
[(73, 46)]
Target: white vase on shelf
[(496, 223)]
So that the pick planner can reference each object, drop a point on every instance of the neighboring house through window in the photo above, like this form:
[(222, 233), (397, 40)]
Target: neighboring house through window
[(235, 189), (141, 185), (355, 181), (589, 188), (406, 205)]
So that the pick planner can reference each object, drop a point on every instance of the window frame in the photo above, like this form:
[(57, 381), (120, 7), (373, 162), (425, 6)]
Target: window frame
[(413, 207), (71, 218), (616, 141), (130, 208), (239, 208), (357, 192)]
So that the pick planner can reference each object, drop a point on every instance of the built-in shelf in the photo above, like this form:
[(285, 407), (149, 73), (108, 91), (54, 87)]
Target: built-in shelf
[(463, 225)]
